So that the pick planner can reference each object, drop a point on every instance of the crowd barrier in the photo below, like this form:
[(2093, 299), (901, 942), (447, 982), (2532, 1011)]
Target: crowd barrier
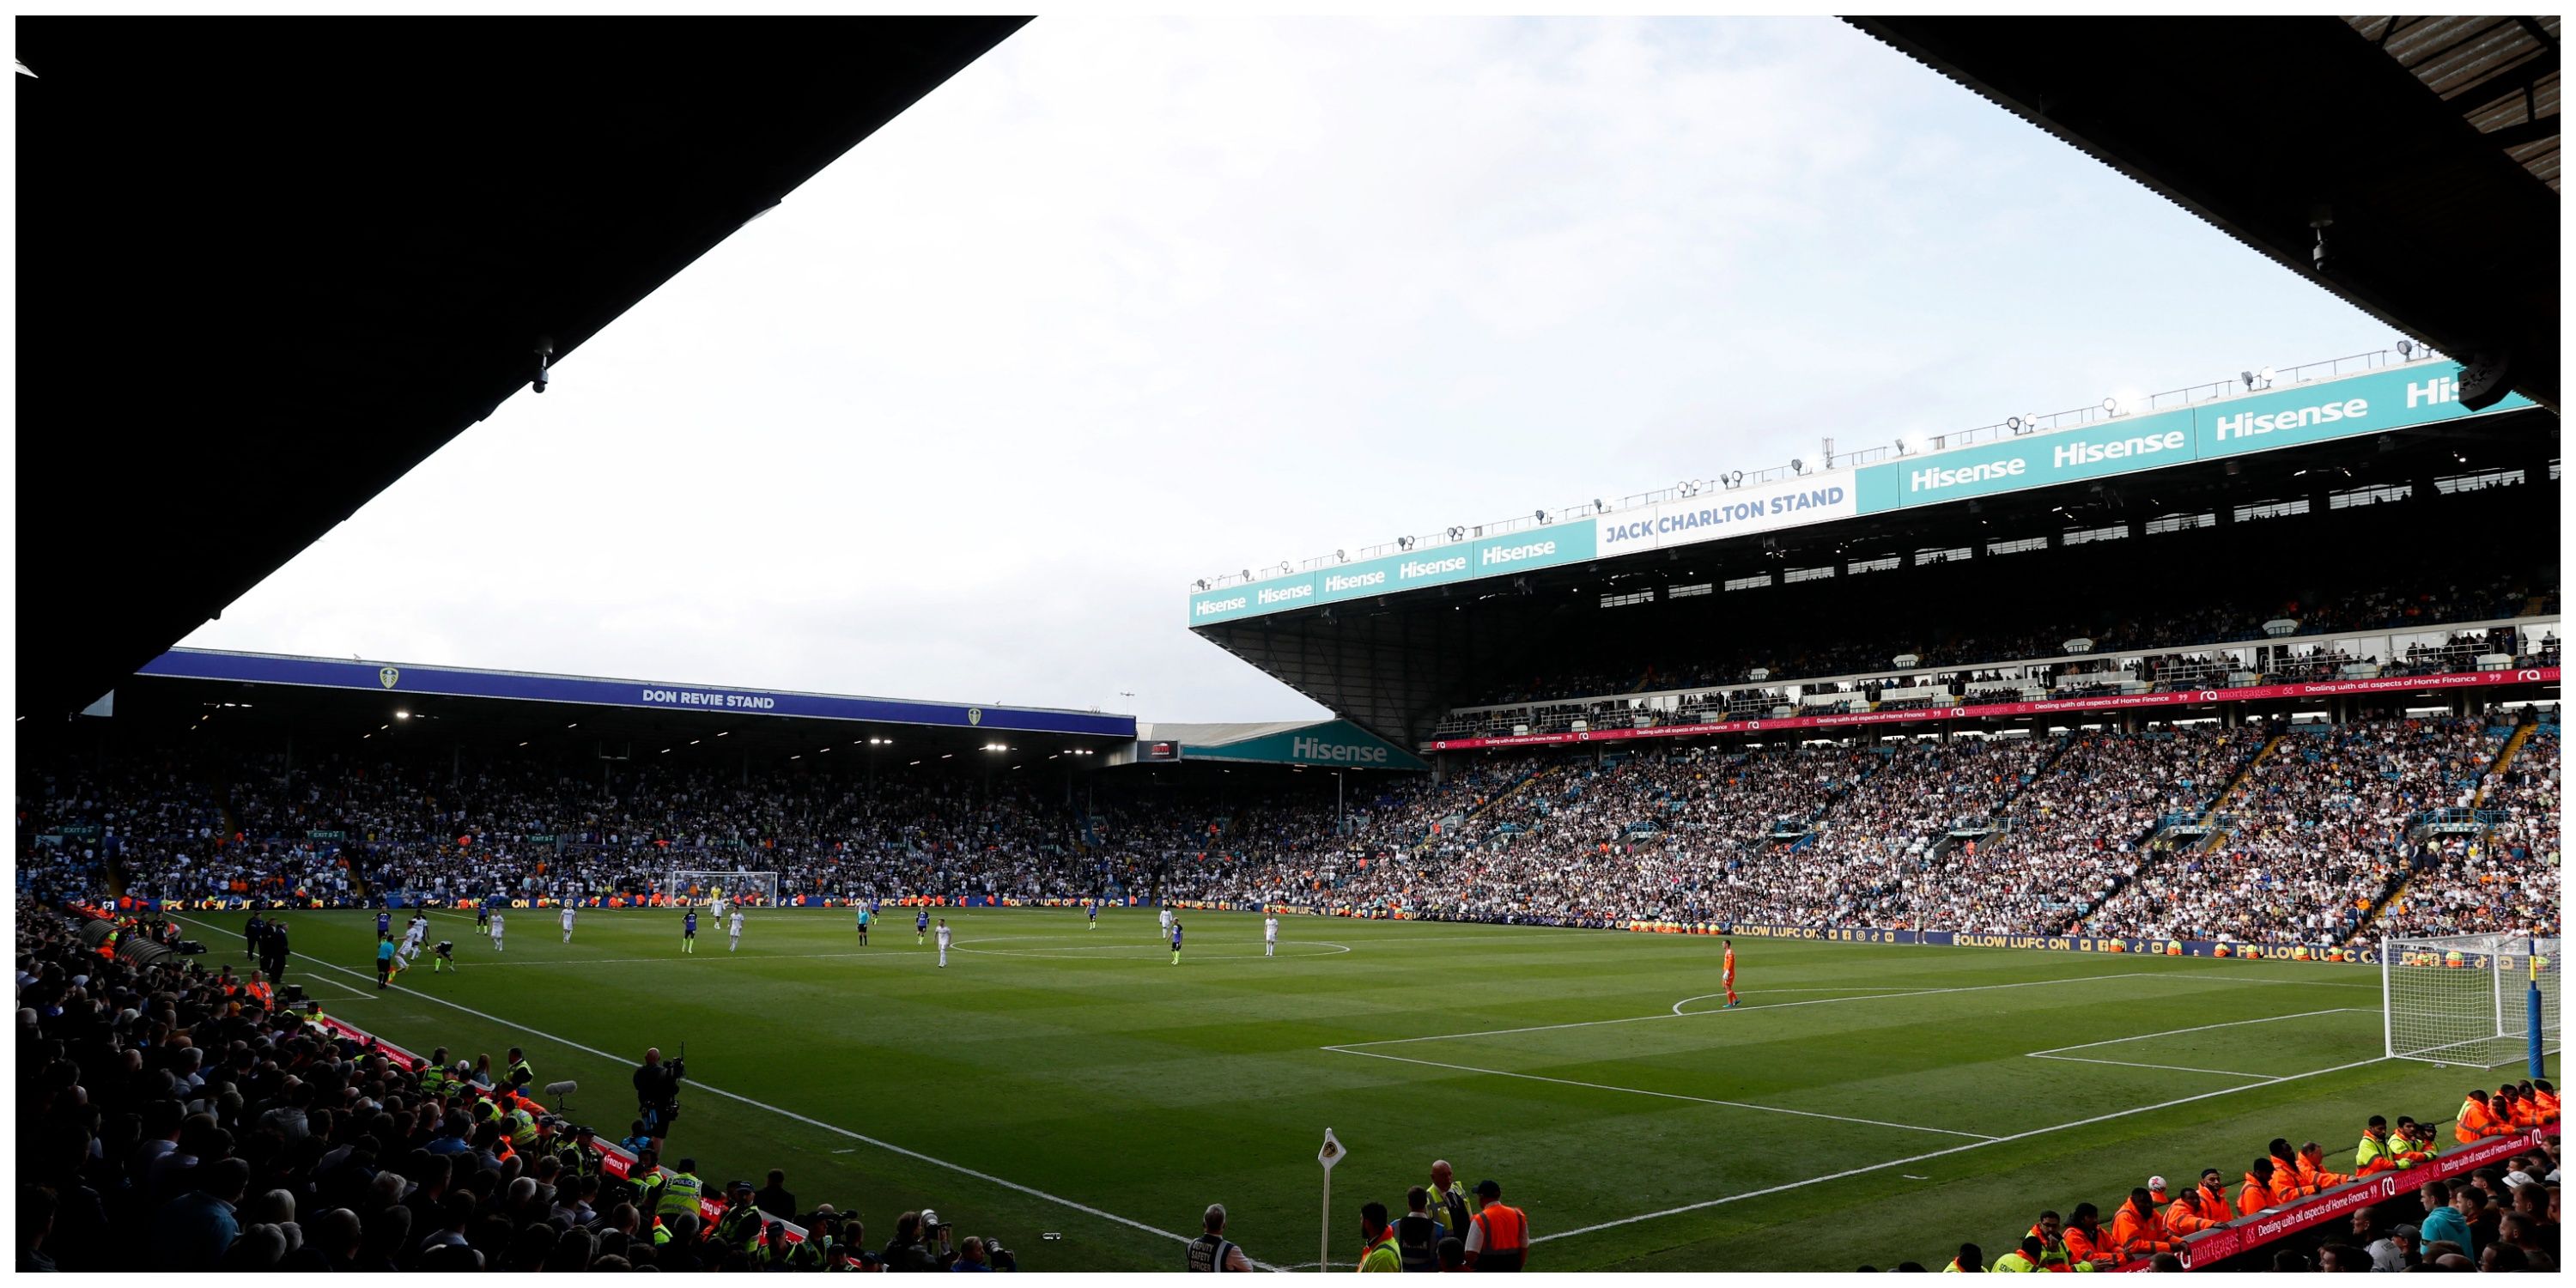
[(2246, 1233)]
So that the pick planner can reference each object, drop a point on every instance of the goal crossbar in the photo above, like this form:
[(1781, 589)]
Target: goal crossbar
[(701, 885)]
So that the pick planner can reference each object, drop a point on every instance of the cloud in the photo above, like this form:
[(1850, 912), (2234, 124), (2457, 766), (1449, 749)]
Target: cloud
[(1129, 302)]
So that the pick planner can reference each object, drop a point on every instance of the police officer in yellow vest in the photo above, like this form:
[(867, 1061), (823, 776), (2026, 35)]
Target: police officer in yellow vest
[(522, 1125), (680, 1191), (2024, 1259), (433, 1077), (741, 1225), (520, 1077)]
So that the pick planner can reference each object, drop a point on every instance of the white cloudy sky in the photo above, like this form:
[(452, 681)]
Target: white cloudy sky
[(1132, 302)]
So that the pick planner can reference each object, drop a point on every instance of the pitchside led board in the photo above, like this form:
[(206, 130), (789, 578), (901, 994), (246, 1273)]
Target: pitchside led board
[(2392, 398)]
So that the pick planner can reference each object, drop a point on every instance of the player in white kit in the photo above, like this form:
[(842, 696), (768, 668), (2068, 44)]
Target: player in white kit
[(943, 943), (496, 930), (734, 928), (567, 923), (1270, 937), (1167, 923), (413, 935), (718, 907)]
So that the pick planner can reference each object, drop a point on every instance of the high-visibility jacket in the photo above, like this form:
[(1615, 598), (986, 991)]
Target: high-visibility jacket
[(2014, 1263), (433, 1081), (1506, 1242), (2182, 1220), (2313, 1173), (2213, 1203), (517, 1069), (2052, 1252), (523, 1127), (1381, 1256), (2254, 1195), (2548, 1105), (2287, 1183), (680, 1193), (740, 1227), (2140, 1234), (2416, 1146), (2376, 1154), (2477, 1122), (2094, 1248), (1952, 1268), (2526, 1113)]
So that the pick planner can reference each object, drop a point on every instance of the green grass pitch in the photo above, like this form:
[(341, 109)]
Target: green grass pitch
[(1868, 1104)]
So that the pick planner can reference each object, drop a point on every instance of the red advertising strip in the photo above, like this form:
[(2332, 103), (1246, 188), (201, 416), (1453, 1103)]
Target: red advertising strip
[(2194, 697), (2250, 1232), (613, 1159)]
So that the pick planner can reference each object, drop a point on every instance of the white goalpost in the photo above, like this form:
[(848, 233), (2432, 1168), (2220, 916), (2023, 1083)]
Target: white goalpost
[(685, 885), (2469, 999)]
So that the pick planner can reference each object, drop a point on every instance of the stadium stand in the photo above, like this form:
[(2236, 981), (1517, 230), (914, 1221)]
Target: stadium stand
[(2313, 834)]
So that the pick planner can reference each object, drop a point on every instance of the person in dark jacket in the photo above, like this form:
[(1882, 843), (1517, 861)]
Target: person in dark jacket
[(910, 1249)]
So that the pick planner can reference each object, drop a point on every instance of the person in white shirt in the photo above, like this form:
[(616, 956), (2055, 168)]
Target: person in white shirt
[(414, 935), (1270, 937), (496, 930), (1166, 923), (943, 943), (734, 929), (567, 923), (719, 907)]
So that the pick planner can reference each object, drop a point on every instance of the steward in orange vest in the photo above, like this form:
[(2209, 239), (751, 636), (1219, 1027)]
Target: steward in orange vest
[(2138, 1230), (2546, 1097), (2525, 1113), (2477, 1119), (2213, 1197), (1498, 1237), (2187, 1216), (2257, 1192), (2286, 1183), (2312, 1169), (2087, 1241)]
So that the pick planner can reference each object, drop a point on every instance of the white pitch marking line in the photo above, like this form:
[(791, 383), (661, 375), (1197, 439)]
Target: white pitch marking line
[(1666, 1095), (2197, 1028), (677, 956), (2133, 1064), (365, 994), (888, 1146), (1681, 1014), (1939, 1153)]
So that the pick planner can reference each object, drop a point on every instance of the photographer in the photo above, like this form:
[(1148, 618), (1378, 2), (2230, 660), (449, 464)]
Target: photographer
[(920, 1244), (657, 1094)]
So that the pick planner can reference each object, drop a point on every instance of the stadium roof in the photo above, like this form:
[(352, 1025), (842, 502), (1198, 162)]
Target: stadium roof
[(2427, 148), (262, 280), (344, 702), (1394, 655)]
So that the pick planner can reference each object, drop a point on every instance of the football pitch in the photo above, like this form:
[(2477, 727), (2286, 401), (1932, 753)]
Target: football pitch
[(1073, 1093)]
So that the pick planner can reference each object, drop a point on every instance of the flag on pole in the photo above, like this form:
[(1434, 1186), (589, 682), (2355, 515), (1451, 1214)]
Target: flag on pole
[(1332, 1151)]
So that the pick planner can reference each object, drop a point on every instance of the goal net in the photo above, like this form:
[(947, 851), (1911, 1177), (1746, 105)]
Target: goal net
[(758, 889), (2466, 999)]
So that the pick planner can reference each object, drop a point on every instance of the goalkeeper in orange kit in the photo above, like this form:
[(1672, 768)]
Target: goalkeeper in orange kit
[(1731, 998)]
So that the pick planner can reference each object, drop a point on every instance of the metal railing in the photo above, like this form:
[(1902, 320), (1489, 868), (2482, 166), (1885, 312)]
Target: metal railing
[(2023, 426)]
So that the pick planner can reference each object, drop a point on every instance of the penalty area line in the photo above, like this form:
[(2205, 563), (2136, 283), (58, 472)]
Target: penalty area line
[(1955, 1149), (1666, 1095), (817, 1123)]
